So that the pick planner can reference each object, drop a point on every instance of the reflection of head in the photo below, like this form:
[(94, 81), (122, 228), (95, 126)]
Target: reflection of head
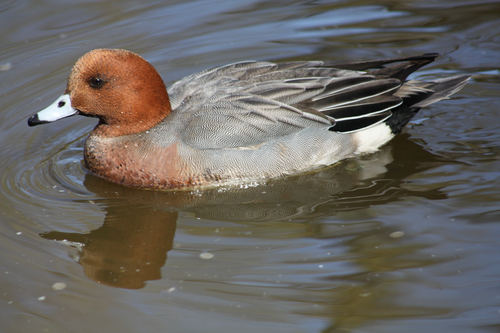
[(128, 253), (128, 249), (119, 271)]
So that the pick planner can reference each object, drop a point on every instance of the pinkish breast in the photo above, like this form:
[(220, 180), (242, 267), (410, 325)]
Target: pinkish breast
[(124, 161)]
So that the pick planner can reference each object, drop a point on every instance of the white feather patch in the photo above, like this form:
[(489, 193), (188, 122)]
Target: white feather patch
[(370, 139)]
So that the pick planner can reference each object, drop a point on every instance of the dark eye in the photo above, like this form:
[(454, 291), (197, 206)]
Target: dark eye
[(96, 83)]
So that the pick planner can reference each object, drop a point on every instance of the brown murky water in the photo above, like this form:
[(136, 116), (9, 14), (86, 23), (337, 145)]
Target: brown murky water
[(404, 240)]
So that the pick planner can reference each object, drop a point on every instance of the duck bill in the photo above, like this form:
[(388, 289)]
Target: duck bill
[(60, 109)]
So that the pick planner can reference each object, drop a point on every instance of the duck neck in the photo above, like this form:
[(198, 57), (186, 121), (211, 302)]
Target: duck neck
[(137, 118)]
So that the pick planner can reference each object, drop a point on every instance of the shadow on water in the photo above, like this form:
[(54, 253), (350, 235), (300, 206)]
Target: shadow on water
[(138, 231)]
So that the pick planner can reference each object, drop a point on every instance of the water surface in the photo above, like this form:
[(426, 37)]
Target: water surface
[(404, 240)]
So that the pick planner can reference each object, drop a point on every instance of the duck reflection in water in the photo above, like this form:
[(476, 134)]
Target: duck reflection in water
[(131, 246)]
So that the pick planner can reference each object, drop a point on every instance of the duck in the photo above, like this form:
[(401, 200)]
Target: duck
[(242, 122)]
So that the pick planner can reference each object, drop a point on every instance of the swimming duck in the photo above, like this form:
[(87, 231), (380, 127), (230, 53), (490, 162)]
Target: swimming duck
[(244, 121)]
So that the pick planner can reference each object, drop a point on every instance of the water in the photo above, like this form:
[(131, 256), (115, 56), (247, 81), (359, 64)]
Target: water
[(404, 240)]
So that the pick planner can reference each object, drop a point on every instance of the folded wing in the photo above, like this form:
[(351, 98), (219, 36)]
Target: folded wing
[(249, 103)]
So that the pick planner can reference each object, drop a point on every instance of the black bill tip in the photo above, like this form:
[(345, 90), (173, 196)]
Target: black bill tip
[(33, 120)]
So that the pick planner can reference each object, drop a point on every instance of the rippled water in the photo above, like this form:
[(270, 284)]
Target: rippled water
[(404, 240)]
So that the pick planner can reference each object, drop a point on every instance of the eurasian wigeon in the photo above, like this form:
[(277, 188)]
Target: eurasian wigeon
[(244, 121)]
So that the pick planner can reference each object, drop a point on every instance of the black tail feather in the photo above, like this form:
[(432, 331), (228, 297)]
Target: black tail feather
[(414, 94), (429, 92)]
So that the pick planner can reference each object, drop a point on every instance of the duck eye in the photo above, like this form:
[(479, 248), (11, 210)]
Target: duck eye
[(96, 83)]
